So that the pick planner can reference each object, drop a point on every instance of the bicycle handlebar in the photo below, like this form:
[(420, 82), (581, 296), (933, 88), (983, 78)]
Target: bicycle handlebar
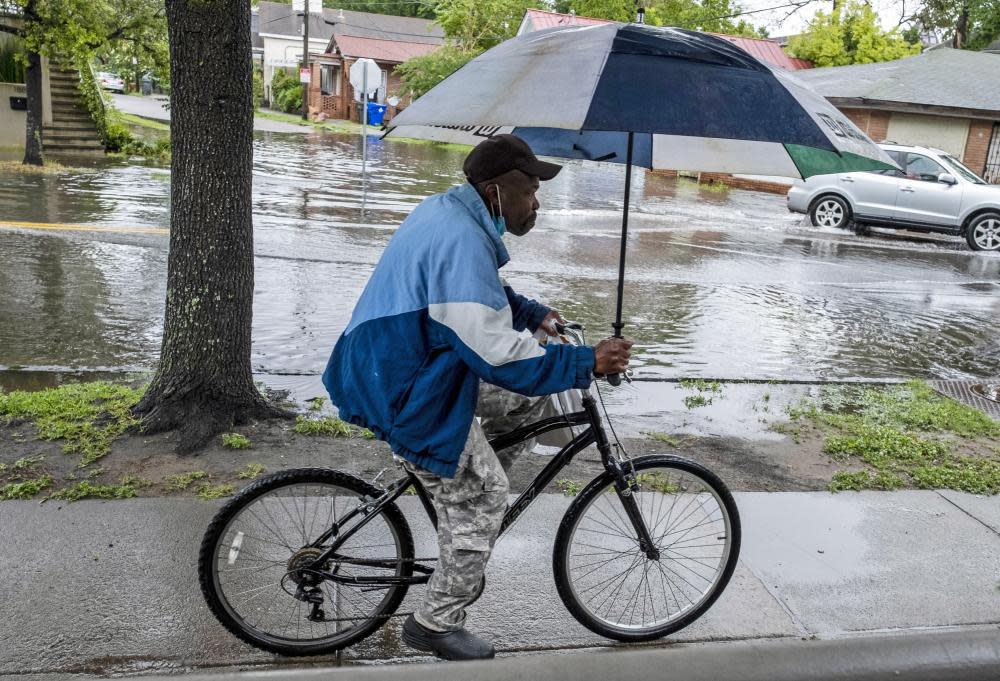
[(574, 330)]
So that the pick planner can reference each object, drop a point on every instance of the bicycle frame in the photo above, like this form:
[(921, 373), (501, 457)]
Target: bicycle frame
[(623, 476)]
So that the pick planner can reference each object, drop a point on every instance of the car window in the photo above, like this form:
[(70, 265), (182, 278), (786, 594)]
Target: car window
[(922, 168), (958, 166), (896, 156)]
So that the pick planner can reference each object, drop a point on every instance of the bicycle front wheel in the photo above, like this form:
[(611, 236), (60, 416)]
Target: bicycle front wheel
[(255, 550), (611, 586)]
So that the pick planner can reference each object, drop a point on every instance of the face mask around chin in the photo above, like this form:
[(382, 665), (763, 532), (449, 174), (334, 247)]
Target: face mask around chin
[(500, 225)]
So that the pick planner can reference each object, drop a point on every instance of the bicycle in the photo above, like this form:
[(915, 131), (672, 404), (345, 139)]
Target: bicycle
[(286, 571)]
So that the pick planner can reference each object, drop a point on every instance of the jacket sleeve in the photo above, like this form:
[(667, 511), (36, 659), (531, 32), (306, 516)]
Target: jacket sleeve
[(526, 313), (469, 312)]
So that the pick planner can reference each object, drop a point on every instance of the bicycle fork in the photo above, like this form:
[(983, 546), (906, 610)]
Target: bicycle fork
[(625, 482)]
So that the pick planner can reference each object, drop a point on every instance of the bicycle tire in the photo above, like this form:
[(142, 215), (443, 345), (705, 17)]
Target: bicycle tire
[(207, 560), (561, 550)]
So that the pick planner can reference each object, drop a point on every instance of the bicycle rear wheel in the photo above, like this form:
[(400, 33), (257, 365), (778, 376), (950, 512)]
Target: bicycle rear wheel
[(253, 552), (612, 587)]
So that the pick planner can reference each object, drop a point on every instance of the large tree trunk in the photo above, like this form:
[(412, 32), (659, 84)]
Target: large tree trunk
[(203, 384), (33, 129), (961, 28)]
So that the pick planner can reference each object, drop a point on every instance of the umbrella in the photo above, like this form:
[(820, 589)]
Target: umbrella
[(647, 96)]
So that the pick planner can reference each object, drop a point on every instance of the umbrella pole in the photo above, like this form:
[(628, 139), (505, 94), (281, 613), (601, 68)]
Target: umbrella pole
[(621, 259), (615, 379)]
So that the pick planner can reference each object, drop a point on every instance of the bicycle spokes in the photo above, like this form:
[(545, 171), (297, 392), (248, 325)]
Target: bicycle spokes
[(268, 574), (634, 582)]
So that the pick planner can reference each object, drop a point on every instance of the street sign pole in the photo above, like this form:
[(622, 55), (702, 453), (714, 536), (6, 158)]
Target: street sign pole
[(363, 72)]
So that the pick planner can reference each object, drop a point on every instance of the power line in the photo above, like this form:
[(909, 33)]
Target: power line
[(764, 9)]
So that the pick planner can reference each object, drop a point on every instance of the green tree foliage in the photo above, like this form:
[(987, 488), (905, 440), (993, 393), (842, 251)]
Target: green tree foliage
[(286, 91), (850, 35), (420, 74), (470, 27), (258, 85), (967, 24), (11, 62), (716, 16), (82, 28), (481, 24)]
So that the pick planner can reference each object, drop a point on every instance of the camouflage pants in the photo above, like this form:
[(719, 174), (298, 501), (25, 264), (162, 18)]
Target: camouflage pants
[(471, 505)]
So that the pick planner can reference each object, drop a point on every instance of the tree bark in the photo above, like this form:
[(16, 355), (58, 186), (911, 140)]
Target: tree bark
[(33, 129), (961, 28), (203, 383)]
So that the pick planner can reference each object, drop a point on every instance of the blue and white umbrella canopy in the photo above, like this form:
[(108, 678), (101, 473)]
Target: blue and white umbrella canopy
[(692, 102)]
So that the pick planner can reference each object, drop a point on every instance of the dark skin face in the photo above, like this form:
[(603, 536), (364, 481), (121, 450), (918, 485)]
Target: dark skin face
[(513, 194)]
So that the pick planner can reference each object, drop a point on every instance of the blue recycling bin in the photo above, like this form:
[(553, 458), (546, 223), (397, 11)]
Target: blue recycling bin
[(376, 112)]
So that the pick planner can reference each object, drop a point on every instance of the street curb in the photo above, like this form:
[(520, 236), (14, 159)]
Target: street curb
[(956, 655)]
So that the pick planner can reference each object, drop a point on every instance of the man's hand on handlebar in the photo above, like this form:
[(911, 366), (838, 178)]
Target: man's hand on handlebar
[(550, 322), (611, 356)]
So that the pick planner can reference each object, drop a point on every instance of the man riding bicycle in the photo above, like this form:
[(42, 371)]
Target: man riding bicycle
[(434, 321)]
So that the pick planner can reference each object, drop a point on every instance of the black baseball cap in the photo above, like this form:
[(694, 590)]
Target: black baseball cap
[(502, 153)]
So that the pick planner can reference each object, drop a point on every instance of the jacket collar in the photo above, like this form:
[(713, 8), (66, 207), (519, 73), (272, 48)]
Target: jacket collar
[(467, 195)]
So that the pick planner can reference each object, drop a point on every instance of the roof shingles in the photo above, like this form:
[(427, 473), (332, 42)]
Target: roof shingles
[(940, 77)]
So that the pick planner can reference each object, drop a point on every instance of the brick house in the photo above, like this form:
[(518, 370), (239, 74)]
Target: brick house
[(388, 40), (943, 98)]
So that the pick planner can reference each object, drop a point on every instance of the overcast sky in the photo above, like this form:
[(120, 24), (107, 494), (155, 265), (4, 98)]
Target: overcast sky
[(778, 22)]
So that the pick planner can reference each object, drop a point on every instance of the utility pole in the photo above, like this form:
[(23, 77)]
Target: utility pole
[(305, 61)]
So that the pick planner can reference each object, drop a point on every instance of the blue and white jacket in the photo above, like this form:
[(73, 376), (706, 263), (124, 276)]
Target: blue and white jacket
[(433, 320)]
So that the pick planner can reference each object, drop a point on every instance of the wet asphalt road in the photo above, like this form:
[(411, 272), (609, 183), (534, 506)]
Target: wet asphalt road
[(720, 284)]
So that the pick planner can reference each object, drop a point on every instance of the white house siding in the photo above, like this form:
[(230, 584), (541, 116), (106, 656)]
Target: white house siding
[(285, 52), (947, 134)]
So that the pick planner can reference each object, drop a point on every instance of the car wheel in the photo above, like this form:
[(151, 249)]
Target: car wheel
[(830, 211), (983, 233)]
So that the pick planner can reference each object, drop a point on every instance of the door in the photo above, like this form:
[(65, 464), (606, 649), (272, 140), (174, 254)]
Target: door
[(924, 200), (873, 194)]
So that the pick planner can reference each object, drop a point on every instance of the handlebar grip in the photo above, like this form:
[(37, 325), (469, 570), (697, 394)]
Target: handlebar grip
[(560, 328), (614, 379)]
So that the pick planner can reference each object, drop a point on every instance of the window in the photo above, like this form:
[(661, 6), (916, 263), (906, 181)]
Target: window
[(329, 79), (896, 156), (962, 170), (922, 168)]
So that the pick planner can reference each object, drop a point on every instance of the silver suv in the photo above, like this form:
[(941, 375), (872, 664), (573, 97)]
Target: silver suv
[(933, 192)]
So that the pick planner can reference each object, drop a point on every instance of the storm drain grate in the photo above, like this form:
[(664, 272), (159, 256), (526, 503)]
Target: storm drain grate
[(978, 394)]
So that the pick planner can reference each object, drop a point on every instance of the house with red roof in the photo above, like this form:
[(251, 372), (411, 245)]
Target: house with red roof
[(767, 51), (387, 40)]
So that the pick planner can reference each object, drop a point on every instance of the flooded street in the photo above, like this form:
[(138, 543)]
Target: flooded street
[(723, 284)]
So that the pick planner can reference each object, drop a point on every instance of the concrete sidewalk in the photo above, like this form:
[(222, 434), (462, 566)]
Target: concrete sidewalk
[(111, 588)]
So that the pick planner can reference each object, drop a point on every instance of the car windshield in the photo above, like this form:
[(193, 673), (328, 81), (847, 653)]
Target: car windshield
[(961, 169)]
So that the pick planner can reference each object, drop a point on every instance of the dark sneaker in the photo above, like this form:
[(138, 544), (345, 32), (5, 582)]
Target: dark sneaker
[(448, 645)]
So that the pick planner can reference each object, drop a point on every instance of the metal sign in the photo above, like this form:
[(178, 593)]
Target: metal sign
[(366, 76)]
